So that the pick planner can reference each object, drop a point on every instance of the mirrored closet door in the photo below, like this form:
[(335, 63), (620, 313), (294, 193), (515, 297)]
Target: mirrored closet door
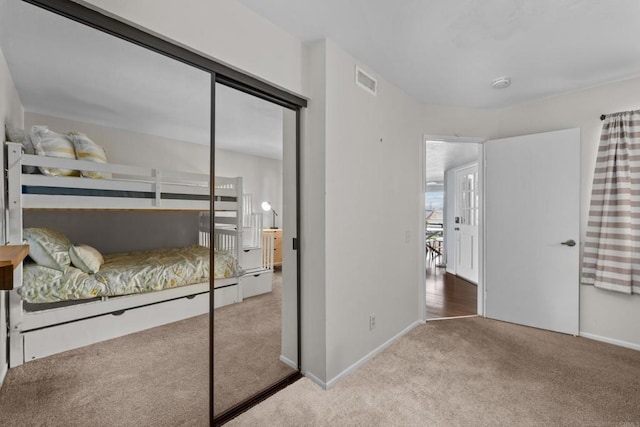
[(108, 181), (255, 319)]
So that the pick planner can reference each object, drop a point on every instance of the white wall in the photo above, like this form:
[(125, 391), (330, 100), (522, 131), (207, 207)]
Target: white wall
[(11, 113), (602, 313), (362, 168), (224, 30), (373, 156), (262, 178), (312, 206), (131, 148)]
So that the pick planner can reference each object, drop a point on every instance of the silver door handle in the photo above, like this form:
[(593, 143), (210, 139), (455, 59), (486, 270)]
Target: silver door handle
[(570, 242)]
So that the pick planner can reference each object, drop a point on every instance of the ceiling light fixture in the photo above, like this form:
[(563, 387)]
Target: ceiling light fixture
[(501, 82)]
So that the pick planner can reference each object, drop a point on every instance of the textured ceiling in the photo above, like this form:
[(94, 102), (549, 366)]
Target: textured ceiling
[(448, 51), (442, 156)]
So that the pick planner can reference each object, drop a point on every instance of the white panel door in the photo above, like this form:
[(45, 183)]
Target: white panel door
[(532, 216), (466, 223)]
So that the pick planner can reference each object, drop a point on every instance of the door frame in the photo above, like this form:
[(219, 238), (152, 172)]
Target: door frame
[(422, 291)]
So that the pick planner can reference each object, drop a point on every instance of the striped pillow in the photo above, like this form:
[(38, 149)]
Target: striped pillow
[(89, 151), (50, 144)]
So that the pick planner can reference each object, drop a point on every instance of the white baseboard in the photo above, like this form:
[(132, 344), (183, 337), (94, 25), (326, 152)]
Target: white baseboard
[(366, 358), (288, 362), (3, 373), (610, 340), (452, 318), (315, 379)]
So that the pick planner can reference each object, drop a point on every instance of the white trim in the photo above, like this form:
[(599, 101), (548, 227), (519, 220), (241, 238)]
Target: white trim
[(481, 291), (453, 317), (444, 138), (288, 362), (315, 379), (613, 341), (371, 354), (422, 274), (3, 373)]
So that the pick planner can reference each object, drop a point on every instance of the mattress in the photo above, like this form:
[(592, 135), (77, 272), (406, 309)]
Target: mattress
[(126, 274)]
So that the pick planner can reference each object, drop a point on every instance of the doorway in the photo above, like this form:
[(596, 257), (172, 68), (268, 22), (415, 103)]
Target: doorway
[(452, 216)]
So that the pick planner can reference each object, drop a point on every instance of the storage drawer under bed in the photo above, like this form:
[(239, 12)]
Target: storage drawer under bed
[(256, 283), (55, 339)]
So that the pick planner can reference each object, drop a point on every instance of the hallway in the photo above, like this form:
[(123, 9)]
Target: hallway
[(449, 295)]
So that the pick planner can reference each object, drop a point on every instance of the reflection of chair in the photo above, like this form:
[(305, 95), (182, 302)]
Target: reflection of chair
[(433, 243)]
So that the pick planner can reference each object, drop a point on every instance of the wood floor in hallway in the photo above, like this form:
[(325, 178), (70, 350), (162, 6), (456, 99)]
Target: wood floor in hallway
[(449, 295)]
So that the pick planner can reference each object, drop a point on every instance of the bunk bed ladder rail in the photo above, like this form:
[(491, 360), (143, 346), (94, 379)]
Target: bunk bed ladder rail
[(157, 175), (13, 236), (247, 210), (267, 250)]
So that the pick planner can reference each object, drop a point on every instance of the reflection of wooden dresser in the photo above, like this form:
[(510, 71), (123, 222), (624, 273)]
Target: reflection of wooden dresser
[(277, 245)]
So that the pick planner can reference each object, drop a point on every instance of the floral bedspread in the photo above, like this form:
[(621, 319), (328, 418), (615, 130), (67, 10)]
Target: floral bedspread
[(124, 274)]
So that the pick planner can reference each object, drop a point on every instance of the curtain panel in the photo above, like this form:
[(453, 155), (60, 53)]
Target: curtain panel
[(612, 248)]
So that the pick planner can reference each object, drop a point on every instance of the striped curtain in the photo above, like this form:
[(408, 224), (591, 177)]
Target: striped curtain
[(612, 247)]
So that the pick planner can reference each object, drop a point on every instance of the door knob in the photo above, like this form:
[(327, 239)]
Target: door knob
[(570, 242)]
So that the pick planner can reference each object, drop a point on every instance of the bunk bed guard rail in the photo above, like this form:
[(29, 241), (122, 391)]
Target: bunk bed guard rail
[(128, 187)]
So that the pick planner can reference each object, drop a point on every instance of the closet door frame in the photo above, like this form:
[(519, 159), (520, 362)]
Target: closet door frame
[(227, 76)]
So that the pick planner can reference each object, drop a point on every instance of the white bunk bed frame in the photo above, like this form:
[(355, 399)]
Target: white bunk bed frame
[(38, 334)]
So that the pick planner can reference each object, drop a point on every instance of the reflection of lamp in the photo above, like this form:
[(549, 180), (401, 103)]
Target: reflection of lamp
[(266, 206)]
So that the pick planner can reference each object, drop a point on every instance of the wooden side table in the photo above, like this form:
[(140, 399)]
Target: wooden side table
[(277, 245), (10, 257)]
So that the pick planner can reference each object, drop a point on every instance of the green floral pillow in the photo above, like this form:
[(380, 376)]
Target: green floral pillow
[(48, 248)]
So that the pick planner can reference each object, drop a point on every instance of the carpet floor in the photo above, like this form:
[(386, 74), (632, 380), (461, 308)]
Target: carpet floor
[(471, 372), (247, 350), (158, 377)]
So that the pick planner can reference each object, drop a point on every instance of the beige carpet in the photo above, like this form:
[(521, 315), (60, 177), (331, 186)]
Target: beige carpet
[(471, 372), (247, 349), (158, 377)]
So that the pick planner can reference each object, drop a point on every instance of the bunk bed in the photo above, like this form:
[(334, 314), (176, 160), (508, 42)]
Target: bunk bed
[(39, 330)]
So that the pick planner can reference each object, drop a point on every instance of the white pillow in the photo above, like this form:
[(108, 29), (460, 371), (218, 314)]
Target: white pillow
[(48, 248), (51, 144), (89, 151), (18, 135), (86, 258)]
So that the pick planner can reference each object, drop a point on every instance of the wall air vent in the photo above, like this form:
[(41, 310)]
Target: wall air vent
[(366, 82)]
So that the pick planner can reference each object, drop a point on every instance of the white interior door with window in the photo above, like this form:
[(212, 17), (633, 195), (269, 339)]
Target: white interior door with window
[(466, 222), (532, 201)]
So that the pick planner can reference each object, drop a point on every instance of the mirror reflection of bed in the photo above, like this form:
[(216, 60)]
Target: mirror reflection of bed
[(250, 351), (108, 181)]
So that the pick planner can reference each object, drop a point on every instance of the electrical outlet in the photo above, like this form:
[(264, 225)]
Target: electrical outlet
[(372, 322)]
